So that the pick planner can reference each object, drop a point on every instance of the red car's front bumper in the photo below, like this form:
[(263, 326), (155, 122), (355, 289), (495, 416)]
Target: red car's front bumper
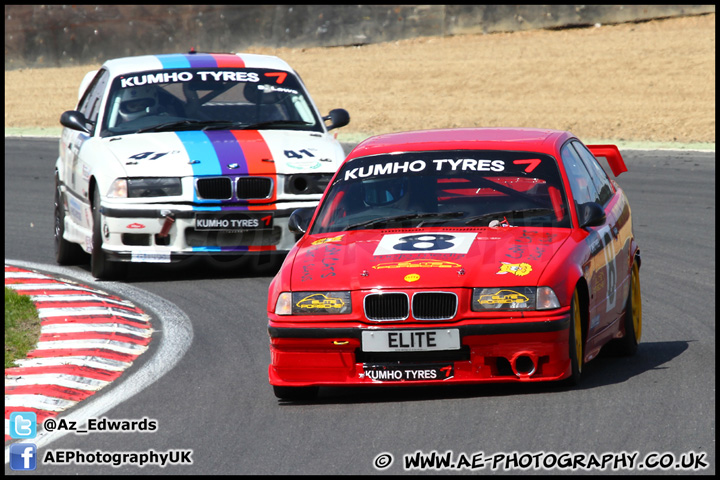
[(528, 350)]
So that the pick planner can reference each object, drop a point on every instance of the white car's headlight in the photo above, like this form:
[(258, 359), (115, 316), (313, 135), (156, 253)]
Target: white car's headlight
[(145, 187), (118, 189), (313, 303), (514, 298)]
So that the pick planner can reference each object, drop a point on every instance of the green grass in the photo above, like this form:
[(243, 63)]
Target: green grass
[(22, 326)]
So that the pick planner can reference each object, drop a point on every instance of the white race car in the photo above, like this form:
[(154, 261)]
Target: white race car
[(171, 156)]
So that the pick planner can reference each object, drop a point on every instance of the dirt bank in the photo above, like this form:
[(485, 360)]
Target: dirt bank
[(652, 81)]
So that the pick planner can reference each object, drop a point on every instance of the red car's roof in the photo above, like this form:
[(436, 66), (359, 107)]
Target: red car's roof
[(517, 139)]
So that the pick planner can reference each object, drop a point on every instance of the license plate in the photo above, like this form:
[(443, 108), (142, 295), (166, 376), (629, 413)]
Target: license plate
[(408, 373), (410, 340), (233, 221)]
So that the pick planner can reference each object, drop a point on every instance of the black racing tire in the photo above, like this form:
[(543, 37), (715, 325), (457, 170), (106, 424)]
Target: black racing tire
[(100, 266), (632, 320), (66, 253), (295, 393), (575, 341)]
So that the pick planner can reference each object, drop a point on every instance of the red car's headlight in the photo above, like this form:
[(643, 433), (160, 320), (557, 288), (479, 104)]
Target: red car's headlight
[(514, 298), (313, 303)]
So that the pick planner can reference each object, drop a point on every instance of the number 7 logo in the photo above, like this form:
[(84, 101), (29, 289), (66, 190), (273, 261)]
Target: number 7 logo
[(279, 76), (531, 163)]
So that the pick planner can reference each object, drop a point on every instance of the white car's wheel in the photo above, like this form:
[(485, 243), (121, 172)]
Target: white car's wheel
[(66, 253), (100, 266)]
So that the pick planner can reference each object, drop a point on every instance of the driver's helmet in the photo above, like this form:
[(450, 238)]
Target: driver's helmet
[(137, 102), (384, 191)]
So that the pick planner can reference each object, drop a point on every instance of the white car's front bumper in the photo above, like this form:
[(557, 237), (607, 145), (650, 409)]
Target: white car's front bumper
[(167, 233)]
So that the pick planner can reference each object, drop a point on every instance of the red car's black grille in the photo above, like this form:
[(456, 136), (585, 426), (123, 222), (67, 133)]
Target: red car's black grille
[(385, 307), (434, 305)]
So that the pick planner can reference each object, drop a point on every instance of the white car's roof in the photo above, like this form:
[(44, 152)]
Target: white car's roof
[(120, 66)]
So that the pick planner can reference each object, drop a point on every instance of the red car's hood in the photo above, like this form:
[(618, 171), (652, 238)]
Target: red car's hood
[(462, 257)]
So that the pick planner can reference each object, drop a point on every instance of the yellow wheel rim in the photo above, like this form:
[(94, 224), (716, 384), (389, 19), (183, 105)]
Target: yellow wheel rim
[(636, 303), (577, 325)]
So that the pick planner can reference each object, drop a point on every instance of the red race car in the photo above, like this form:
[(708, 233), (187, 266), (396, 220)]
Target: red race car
[(457, 256)]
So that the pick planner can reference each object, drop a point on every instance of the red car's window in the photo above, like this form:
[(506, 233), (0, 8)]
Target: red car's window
[(450, 188)]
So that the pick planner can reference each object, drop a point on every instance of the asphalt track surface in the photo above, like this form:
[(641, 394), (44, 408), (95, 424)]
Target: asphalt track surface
[(204, 377)]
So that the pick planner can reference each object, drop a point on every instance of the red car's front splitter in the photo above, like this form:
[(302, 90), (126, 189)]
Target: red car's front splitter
[(525, 352)]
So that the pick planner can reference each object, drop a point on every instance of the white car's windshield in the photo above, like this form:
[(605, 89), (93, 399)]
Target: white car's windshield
[(204, 99), (449, 188)]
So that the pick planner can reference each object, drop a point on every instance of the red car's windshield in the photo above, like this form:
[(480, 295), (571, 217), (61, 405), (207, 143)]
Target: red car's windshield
[(449, 188)]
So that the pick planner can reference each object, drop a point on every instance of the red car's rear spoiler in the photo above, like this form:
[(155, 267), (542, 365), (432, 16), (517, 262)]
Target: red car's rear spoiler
[(612, 154)]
